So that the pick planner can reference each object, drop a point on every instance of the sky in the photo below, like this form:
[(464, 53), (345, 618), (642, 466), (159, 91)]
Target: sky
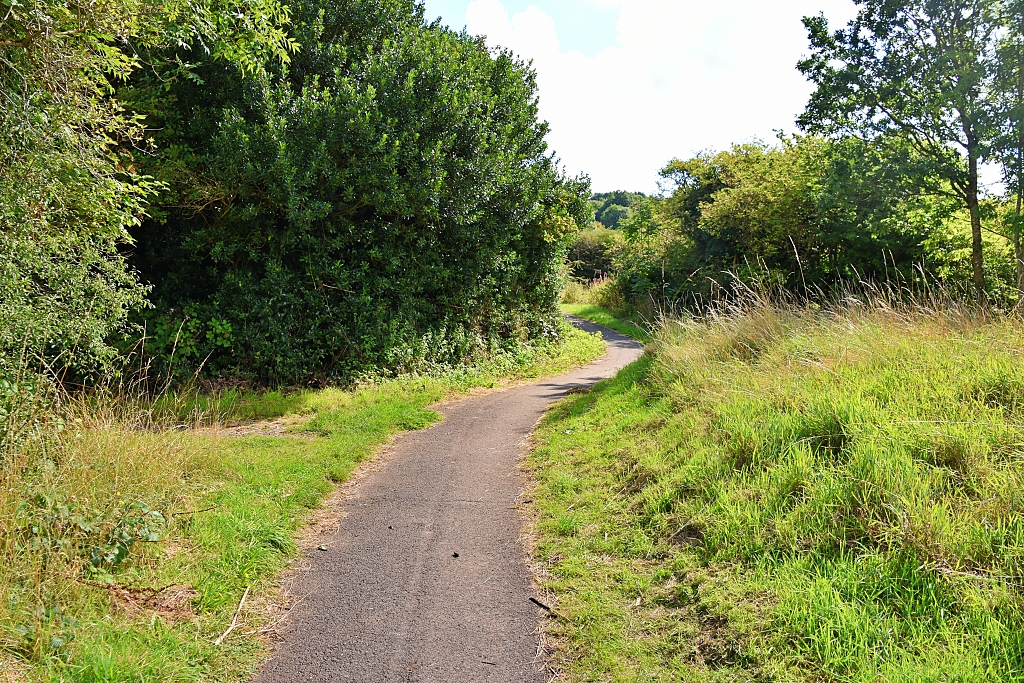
[(628, 85)]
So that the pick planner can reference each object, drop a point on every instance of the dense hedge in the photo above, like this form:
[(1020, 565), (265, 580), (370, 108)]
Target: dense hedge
[(384, 201)]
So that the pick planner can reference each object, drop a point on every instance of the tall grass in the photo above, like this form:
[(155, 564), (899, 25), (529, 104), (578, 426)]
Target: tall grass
[(787, 491), (603, 292), (87, 483)]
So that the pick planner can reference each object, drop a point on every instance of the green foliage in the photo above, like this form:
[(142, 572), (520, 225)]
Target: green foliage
[(384, 201), (65, 201), (592, 253), (920, 71), (603, 293), (806, 212), (613, 215), (1008, 148), (69, 531), (793, 494), (611, 207), (69, 190)]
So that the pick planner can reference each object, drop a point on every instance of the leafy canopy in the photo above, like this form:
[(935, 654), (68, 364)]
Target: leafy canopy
[(919, 70), (806, 211)]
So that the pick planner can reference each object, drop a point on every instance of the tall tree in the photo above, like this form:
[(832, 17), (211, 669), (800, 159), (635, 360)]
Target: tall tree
[(1009, 146), (921, 70)]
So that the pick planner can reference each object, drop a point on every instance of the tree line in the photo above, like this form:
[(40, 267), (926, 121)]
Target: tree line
[(277, 193), (912, 99)]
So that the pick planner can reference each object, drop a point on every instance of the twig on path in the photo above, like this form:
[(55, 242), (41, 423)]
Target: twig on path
[(540, 604), (194, 512), (234, 621)]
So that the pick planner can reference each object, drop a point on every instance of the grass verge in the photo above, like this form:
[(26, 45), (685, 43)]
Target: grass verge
[(603, 316), (127, 548), (792, 494)]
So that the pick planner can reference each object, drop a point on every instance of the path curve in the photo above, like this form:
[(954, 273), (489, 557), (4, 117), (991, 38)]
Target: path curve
[(390, 601)]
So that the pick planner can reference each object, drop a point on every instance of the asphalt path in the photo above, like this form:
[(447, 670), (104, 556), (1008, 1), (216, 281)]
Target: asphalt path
[(427, 579)]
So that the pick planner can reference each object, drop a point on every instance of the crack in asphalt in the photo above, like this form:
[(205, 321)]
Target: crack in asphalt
[(426, 579)]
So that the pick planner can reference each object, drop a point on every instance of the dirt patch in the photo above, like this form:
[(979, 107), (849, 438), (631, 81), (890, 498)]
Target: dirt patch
[(716, 646), (172, 603), (690, 533), (12, 671), (285, 427)]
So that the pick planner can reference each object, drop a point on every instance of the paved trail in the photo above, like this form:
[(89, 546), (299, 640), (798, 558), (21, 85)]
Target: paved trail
[(390, 601)]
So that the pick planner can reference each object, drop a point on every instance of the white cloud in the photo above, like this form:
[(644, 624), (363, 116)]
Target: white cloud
[(684, 76)]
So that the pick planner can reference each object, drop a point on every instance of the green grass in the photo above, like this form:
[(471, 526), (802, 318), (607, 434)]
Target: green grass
[(603, 316), (233, 406), (231, 509), (793, 495)]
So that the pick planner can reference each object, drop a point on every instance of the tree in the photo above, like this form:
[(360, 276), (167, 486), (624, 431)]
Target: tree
[(920, 70), (805, 211), (612, 207), (385, 201), (1009, 145), (811, 209), (613, 215)]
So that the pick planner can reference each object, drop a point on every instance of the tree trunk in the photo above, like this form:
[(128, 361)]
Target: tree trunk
[(1018, 248), (977, 255), (1018, 252)]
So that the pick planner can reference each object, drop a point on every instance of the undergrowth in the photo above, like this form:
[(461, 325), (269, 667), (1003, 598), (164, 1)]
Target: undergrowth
[(131, 530), (794, 493)]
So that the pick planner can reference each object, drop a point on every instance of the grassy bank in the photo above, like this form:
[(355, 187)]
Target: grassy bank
[(128, 546), (785, 494)]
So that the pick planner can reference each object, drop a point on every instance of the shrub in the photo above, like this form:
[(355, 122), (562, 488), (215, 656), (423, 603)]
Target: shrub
[(69, 188), (592, 253), (386, 201)]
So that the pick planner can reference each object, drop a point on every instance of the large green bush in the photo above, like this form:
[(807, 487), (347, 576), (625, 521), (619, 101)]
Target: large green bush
[(385, 201), (592, 253)]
